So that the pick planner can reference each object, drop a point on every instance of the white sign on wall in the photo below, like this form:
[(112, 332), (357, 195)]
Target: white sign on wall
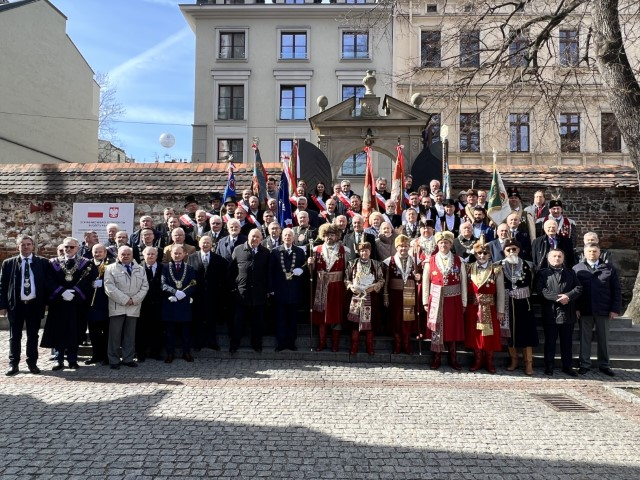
[(96, 216)]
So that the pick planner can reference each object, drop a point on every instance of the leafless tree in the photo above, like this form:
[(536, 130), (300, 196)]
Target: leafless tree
[(110, 110)]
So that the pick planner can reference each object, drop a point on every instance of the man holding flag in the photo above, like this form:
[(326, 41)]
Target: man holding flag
[(499, 208)]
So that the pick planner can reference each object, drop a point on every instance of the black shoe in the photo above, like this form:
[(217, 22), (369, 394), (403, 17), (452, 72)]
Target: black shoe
[(130, 364), (608, 371), (548, 371), (569, 371), (115, 366), (13, 371), (59, 366), (141, 359), (583, 370), (187, 357), (74, 365), (34, 369)]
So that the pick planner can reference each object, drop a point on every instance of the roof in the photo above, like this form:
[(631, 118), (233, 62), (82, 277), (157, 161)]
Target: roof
[(203, 178), (537, 176), (123, 178), (8, 6)]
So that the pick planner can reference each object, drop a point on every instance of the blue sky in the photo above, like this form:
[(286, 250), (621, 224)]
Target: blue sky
[(148, 50)]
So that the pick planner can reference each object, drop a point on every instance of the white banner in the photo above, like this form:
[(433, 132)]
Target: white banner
[(96, 216)]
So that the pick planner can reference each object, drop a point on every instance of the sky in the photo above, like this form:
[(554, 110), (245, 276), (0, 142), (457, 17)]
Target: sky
[(148, 50)]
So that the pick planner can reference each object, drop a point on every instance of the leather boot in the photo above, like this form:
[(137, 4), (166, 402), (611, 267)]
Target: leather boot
[(396, 344), (436, 360), (491, 368), (528, 360), (335, 340), (322, 332), (369, 343), (477, 361), (453, 357), (406, 337), (513, 353), (355, 338)]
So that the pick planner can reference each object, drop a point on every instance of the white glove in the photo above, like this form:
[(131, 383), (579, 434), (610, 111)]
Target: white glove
[(297, 272), (68, 295), (180, 294), (173, 299), (96, 283)]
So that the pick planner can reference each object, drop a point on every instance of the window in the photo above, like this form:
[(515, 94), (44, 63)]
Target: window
[(569, 48), (569, 132), (355, 45), (231, 102), (430, 48), (357, 91), (611, 138), (285, 148), (470, 48), (293, 101), (518, 51), (355, 165), (293, 45), (431, 134), (469, 132), (228, 147), (232, 45), (519, 126), (432, 8)]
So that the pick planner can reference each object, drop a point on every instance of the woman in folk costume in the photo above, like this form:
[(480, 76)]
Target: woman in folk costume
[(485, 307), (364, 278), (329, 261), (518, 280), (444, 295), (400, 294)]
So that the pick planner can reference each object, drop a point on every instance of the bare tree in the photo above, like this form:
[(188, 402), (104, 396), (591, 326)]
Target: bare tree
[(110, 110)]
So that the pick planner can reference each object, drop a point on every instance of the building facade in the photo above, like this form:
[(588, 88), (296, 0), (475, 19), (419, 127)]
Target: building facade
[(49, 97)]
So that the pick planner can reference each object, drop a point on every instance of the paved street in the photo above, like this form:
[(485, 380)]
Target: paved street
[(221, 418)]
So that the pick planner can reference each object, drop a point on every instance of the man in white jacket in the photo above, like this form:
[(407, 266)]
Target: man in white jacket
[(125, 283)]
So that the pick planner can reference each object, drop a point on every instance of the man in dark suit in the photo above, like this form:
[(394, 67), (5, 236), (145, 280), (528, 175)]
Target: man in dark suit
[(273, 240), (518, 231), (146, 221), (303, 234), (539, 208), (22, 298), (353, 239), (227, 245), (286, 266), (211, 276), (542, 245), (149, 330), (201, 227), (315, 220), (162, 228), (248, 276), (496, 247), (216, 231)]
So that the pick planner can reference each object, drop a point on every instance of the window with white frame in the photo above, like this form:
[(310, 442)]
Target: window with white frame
[(355, 45), (293, 102), (293, 46)]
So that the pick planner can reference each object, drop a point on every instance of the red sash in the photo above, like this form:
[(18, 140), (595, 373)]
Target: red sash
[(187, 220), (406, 199), (344, 199), (380, 200)]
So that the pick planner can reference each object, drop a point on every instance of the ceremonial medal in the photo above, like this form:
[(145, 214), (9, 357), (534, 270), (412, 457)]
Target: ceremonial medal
[(68, 277), (178, 284), (289, 276), (301, 237), (27, 283)]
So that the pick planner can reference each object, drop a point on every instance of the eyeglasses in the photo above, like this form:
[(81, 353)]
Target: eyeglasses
[(70, 246)]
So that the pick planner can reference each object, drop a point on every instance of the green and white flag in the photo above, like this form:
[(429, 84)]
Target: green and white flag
[(499, 208)]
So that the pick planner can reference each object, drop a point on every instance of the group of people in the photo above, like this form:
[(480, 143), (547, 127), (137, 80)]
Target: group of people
[(437, 270)]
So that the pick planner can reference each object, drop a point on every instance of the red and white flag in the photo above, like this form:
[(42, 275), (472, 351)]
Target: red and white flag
[(397, 180)]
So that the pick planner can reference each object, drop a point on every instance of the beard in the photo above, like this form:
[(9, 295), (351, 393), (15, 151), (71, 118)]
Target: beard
[(512, 258)]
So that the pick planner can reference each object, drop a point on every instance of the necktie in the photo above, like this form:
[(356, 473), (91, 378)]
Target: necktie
[(255, 250), (129, 269), (205, 261), (27, 278), (357, 238), (178, 266), (513, 233)]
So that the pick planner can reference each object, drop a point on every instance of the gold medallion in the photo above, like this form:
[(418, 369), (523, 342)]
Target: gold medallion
[(178, 284), (68, 277)]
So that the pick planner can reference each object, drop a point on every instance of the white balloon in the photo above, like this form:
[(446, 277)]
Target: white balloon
[(167, 140)]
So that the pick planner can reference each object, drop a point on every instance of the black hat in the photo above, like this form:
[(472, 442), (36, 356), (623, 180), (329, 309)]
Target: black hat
[(555, 203), (513, 192), (511, 242), (215, 196), (428, 223), (189, 199), (449, 201), (230, 200)]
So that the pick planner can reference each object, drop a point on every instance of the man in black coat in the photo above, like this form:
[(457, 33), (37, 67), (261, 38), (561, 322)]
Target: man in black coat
[(542, 245), (149, 329), (228, 244), (560, 288), (211, 289), (286, 268), (248, 276), (22, 298), (357, 236)]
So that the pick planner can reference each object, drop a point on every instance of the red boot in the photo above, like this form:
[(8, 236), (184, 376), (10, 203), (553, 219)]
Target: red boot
[(322, 332), (396, 344), (369, 343), (435, 362), (477, 361), (355, 338), (335, 340), (453, 357), (491, 368)]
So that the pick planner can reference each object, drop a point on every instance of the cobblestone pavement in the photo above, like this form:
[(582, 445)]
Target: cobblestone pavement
[(286, 419)]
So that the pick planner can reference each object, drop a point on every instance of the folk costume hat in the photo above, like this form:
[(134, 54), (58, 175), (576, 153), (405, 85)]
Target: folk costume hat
[(481, 245), (401, 240), (555, 203), (189, 199), (230, 200), (448, 236), (511, 242), (327, 229), (513, 192), (215, 196)]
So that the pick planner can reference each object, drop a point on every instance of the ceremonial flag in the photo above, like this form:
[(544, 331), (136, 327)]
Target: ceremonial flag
[(446, 178), (230, 189), (499, 208), (397, 180), (369, 192), (285, 217), (259, 177), (294, 164)]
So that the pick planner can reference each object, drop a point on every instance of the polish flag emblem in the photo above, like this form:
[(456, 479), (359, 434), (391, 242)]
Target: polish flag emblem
[(114, 212)]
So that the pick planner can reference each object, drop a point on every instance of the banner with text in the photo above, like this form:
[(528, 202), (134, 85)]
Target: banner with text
[(96, 216)]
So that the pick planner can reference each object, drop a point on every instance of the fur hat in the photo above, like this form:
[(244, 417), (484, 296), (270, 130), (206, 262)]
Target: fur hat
[(511, 242), (400, 240), (448, 236), (555, 203), (513, 192), (326, 229)]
